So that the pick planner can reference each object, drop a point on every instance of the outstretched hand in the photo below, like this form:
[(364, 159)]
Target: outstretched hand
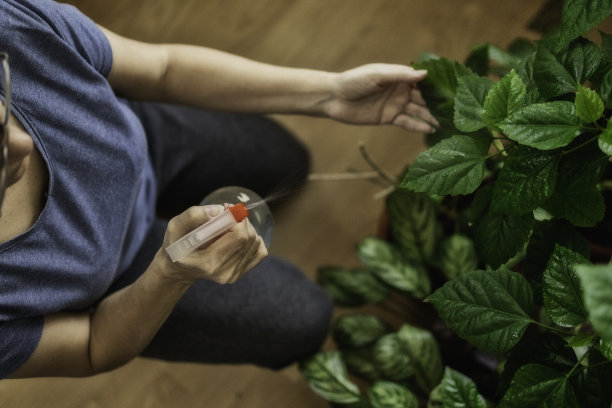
[(381, 94)]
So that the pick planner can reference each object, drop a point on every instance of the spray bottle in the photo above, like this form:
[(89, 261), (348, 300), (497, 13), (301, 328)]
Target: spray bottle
[(207, 232)]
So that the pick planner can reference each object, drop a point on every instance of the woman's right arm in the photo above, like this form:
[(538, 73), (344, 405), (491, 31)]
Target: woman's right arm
[(123, 324)]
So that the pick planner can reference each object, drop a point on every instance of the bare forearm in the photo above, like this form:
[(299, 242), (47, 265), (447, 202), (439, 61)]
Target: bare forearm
[(124, 323), (213, 79), (207, 78)]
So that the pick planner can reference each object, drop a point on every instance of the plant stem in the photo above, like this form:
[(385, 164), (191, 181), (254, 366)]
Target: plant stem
[(386, 176), (581, 145), (554, 329), (579, 362), (500, 147)]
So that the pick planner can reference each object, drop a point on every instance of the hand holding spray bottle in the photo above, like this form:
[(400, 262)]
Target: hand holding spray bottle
[(249, 205), (207, 232)]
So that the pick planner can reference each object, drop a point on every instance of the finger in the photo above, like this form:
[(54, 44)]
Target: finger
[(422, 112), (190, 219), (416, 96), (389, 73), (413, 123)]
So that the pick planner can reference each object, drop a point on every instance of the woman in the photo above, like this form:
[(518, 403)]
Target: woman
[(85, 282)]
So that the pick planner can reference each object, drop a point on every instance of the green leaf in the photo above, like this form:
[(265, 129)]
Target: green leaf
[(562, 291), (581, 59), (459, 391), (412, 221), (550, 75), (454, 166), (545, 126), (469, 99), (358, 330), (391, 267), (545, 236), (503, 100), (498, 237), (327, 376), (580, 340), (478, 60), (545, 348), (435, 398), (490, 309), (456, 256), (385, 394), (535, 386), (606, 89), (583, 205), (606, 44), (597, 285), (605, 141), (351, 287), (579, 16), (589, 106), (422, 347), (391, 358), (438, 90), (527, 179), (361, 363), (606, 349), (577, 197)]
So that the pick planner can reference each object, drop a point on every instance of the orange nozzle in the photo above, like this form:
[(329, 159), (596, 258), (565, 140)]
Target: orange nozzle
[(239, 211)]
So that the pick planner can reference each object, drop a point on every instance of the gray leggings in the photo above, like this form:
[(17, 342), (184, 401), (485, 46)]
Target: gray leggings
[(274, 315)]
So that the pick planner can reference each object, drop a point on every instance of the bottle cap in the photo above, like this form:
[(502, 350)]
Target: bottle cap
[(239, 211)]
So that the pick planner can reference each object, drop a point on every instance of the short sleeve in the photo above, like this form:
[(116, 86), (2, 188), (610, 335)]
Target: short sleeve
[(18, 340), (83, 35)]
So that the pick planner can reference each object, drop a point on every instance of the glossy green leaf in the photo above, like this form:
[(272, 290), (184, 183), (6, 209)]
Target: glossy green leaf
[(391, 358), (581, 59), (385, 394), (562, 291), (459, 391), (538, 386), (499, 237), (327, 376), (412, 222), (545, 126), (605, 141), (456, 256), (469, 99), (579, 16), (454, 166), (422, 347), (361, 362), (392, 267), (490, 309), (527, 179), (597, 285), (351, 287), (589, 106), (550, 75), (503, 100), (358, 330)]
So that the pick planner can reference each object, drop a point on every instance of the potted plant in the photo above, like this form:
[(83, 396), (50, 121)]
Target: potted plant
[(491, 235)]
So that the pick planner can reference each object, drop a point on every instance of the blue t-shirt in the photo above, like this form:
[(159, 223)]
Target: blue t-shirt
[(101, 190)]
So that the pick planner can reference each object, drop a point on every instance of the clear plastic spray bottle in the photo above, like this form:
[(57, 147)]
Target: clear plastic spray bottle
[(207, 232)]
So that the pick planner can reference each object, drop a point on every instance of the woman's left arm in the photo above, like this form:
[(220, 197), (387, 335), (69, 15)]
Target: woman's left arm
[(211, 79)]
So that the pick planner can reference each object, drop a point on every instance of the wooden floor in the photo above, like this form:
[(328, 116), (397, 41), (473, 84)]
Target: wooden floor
[(321, 223)]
